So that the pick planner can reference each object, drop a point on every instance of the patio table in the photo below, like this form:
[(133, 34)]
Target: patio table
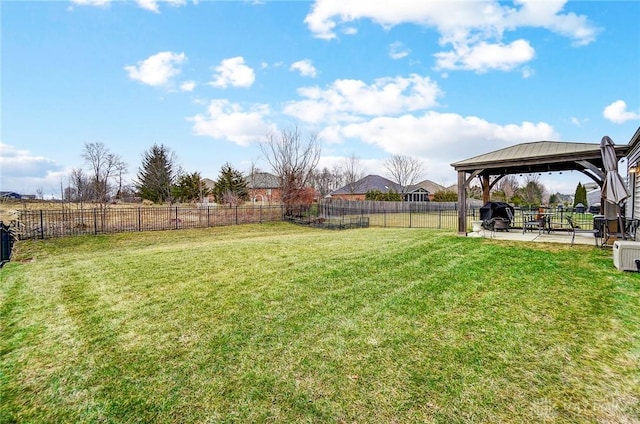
[(545, 217)]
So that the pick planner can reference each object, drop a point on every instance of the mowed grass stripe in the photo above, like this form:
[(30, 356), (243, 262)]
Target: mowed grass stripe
[(281, 323)]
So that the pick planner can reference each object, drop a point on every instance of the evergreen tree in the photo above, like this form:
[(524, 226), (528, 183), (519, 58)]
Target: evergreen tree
[(445, 196), (190, 187), (231, 186), (389, 196), (532, 193), (157, 174), (580, 195)]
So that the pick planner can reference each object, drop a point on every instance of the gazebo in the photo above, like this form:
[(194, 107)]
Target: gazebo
[(528, 158)]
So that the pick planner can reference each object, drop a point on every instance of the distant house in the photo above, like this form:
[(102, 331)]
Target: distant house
[(428, 187), (6, 195), (359, 189), (264, 188), (421, 192)]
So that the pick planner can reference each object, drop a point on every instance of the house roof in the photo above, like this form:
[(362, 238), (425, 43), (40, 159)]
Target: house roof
[(635, 140), (370, 182), (209, 183), (262, 180), (10, 195), (427, 185)]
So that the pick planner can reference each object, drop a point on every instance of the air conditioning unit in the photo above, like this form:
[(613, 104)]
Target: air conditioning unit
[(625, 254)]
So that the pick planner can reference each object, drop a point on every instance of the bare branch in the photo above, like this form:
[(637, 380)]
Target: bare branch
[(404, 170), (292, 160)]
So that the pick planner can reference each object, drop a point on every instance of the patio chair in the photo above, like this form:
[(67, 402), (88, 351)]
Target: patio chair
[(613, 230), (631, 229), (533, 222), (575, 228)]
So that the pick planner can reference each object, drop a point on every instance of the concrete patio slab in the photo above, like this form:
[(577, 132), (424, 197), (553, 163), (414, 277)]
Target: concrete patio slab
[(515, 234)]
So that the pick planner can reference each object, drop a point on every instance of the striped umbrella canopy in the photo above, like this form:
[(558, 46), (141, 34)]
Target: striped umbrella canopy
[(614, 189)]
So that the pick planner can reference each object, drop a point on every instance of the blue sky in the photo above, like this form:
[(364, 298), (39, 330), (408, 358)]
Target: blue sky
[(441, 81)]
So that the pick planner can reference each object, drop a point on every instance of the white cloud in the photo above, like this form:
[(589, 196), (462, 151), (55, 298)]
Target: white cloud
[(157, 70), (578, 122), (154, 5), (188, 86), (398, 51), (305, 67), (438, 139), (447, 136), (472, 28), (224, 120), (548, 14), (347, 99), (21, 163), (98, 3), (150, 5), (527, 72), (23, 172), (483, 56), (617, 112), (233, 72), (350, 31)]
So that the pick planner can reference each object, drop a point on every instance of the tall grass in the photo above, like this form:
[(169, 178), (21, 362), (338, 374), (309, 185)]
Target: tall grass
[(277, 323)]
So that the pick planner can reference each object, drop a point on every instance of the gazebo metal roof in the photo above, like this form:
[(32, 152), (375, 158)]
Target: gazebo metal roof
[(538, 156)]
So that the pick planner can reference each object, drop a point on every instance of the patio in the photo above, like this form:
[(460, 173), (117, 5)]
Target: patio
[(516, 234)]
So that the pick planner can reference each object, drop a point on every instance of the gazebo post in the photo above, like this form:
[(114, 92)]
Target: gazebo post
[(486, 188), (462, 204)]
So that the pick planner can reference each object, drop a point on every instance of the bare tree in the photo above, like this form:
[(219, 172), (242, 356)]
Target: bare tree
[(353, 172), (404, 170), (338, 177), (103, 166), (508, 185), (120, 170), (80, 187), (293, 161), (324, 181)]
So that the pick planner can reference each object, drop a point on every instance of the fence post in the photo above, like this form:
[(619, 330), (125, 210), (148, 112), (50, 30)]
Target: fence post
[(410, 215), (260, 214), (95, 221), (208, 214), (236, 214), (176, 217), (41, 225), (139, 219)]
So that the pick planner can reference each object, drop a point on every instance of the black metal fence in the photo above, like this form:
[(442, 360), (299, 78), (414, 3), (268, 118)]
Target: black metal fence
[(41, 224), (437, 215)]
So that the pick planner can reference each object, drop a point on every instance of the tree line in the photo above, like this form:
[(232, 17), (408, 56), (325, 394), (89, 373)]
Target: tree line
[(532, 193), (292, 156)]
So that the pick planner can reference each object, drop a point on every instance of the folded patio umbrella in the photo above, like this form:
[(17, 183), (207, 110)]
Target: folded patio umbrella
[(614, 189)]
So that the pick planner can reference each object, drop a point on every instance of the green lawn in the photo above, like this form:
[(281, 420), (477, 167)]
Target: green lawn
[(279, 323)]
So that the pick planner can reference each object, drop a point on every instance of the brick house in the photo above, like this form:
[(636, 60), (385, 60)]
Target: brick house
[(421, 192), (264, 188)]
